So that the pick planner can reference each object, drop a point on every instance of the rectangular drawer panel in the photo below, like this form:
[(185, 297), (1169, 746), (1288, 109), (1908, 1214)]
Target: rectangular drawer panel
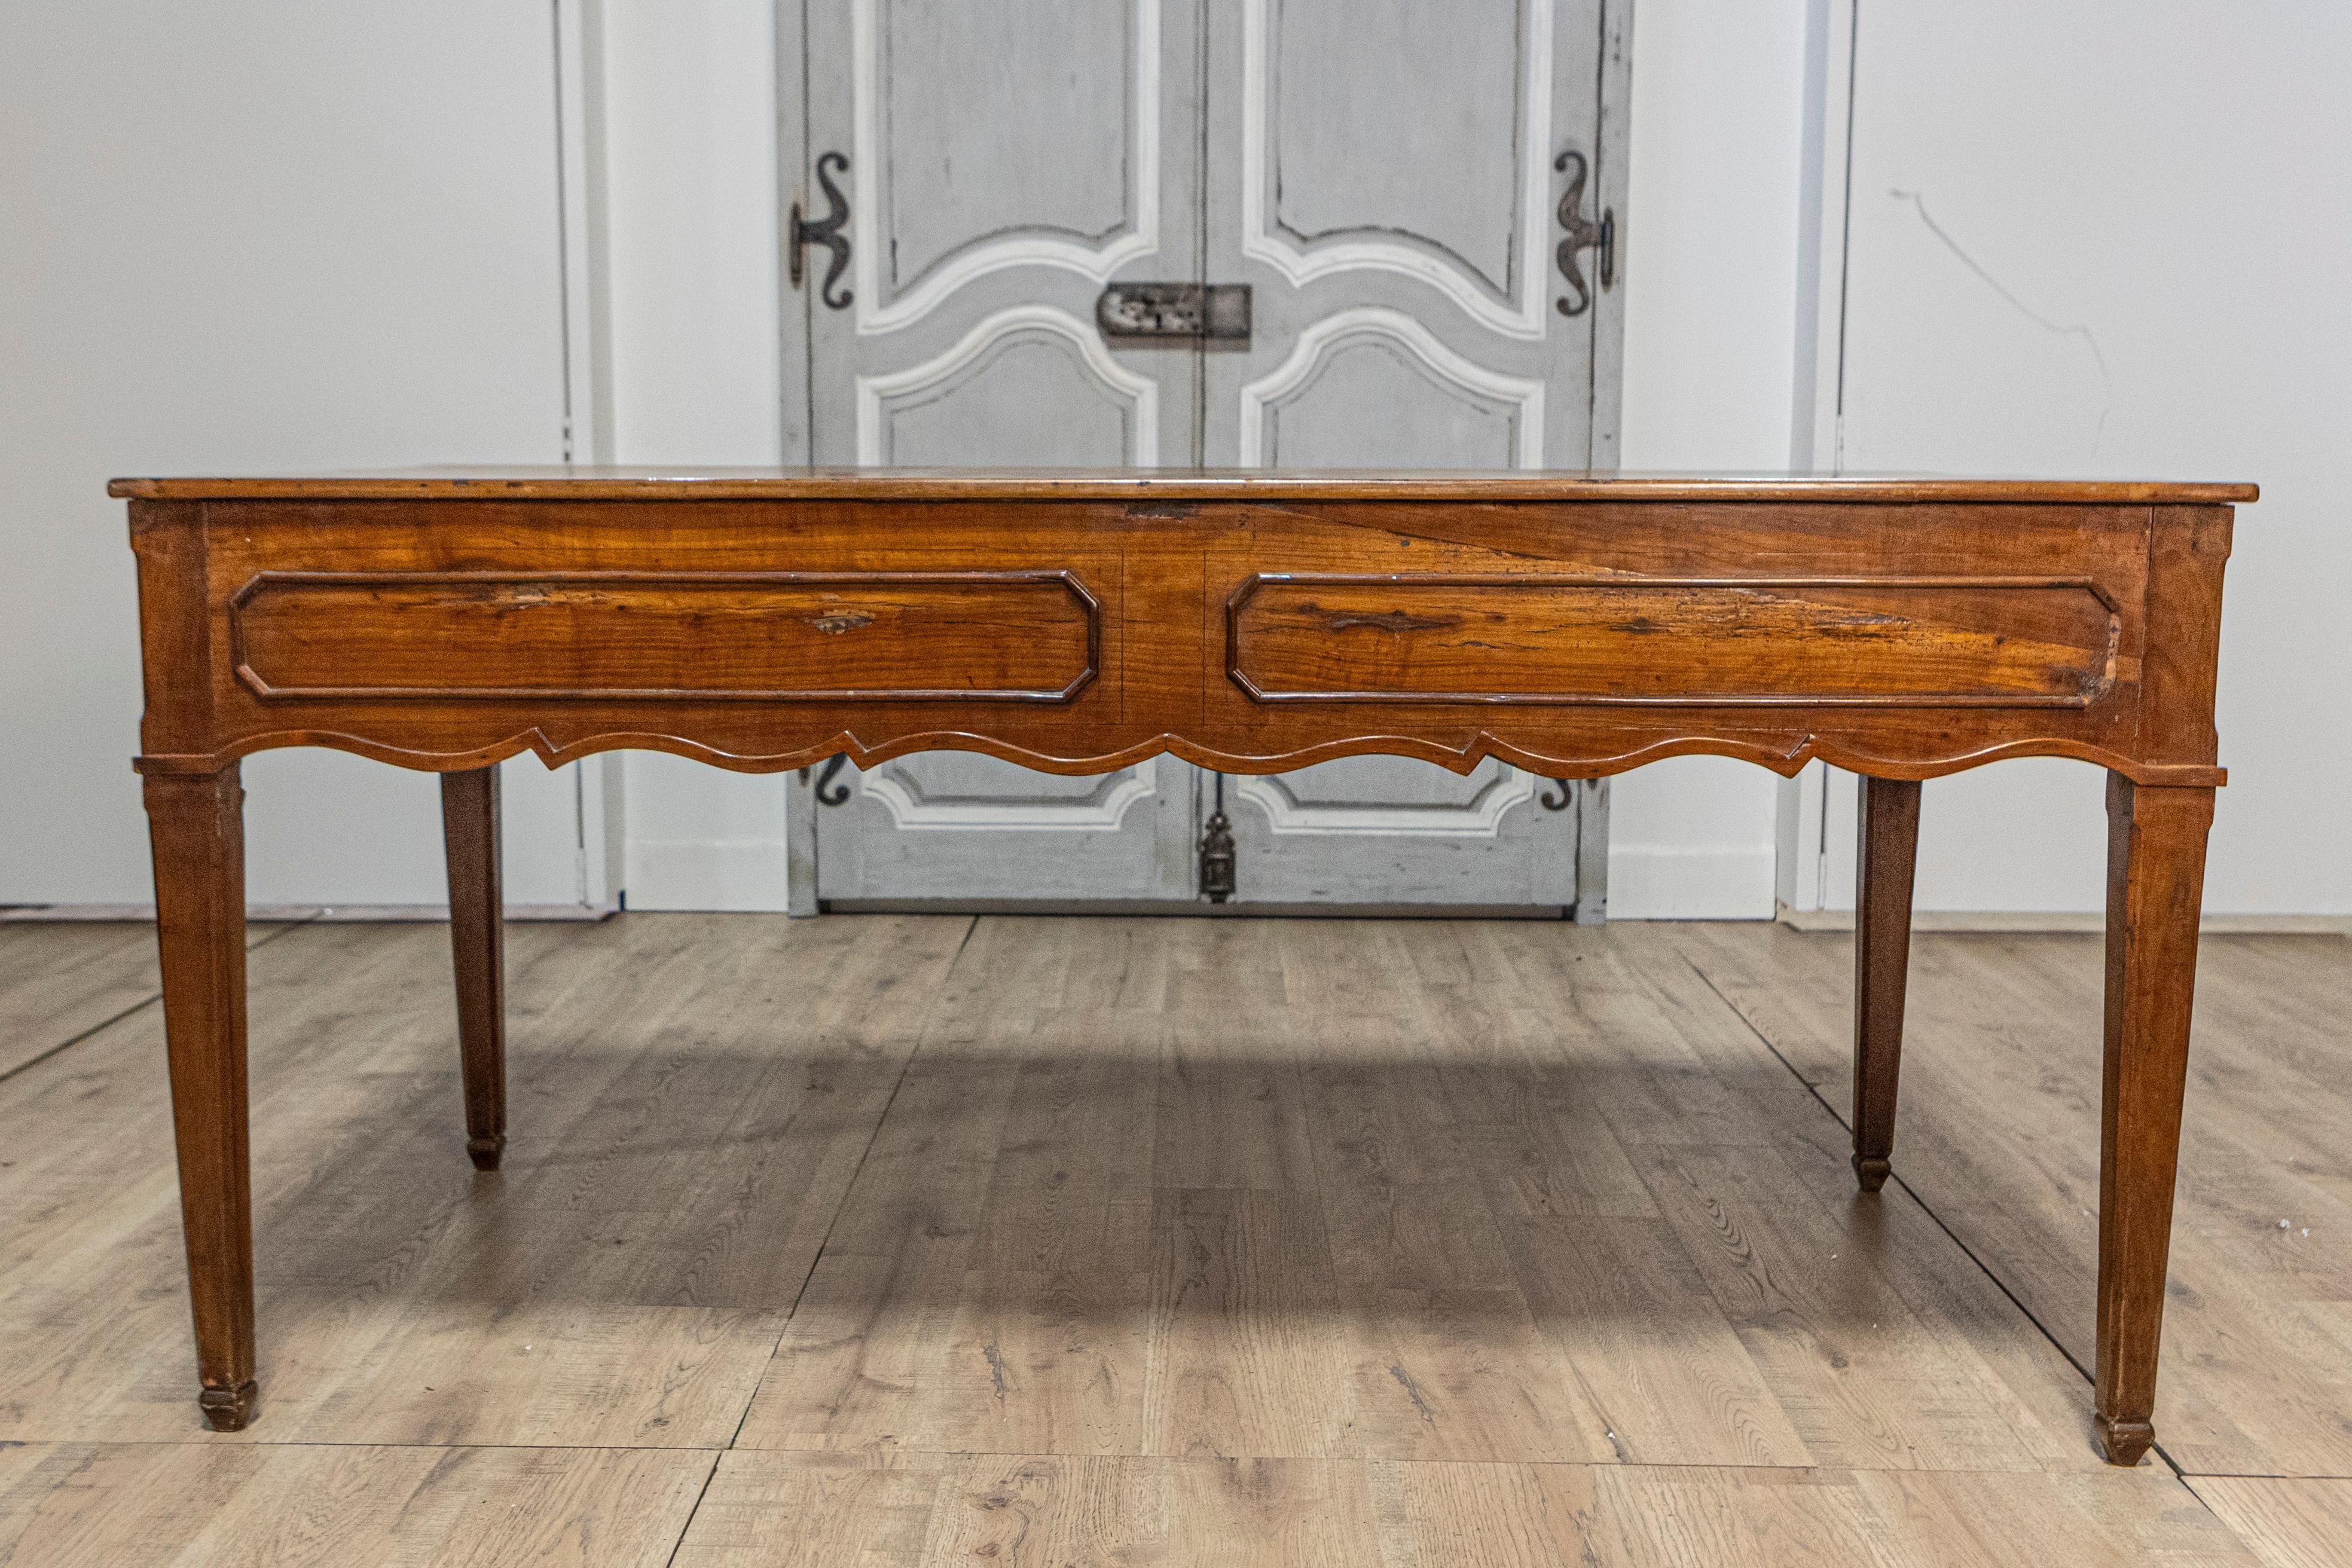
[(1011, 636), (1915, 642)]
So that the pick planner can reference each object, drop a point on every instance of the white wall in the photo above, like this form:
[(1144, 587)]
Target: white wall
[(2141, 270), (260, 236), (689, 126), (404, 309), (1711, 338)]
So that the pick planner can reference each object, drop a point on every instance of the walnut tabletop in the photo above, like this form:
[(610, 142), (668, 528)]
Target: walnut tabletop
[(1573, 623), (610, 481)]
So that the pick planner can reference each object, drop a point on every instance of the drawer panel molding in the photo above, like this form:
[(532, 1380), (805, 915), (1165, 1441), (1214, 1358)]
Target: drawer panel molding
[(1913, 641), (1002, 636)]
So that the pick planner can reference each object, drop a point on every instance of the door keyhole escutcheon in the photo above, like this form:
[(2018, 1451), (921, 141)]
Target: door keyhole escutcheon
[(1186, 310), (1581, 232)]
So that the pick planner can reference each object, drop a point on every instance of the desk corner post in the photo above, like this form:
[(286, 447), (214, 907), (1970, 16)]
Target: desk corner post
[(196, 821), (2156, 878), (1884, 875), (469, 824)]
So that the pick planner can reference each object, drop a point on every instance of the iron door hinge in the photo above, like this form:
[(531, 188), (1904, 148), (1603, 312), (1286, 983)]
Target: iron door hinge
[(829, 793), (1189, 310), (826, 231), (1579, 233)]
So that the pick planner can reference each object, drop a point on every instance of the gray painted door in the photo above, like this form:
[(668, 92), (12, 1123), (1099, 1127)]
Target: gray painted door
[(1381, 171), (1005, 162), (1393, 203)]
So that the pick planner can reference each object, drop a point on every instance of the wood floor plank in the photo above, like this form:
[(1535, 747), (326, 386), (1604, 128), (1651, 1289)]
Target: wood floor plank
[(2286, 1523), (1997, 1133), (1664, 1372), (1243, 1362), (57, 981), (1460, 1220), (818, 1511), (929, 1510), (1406, 1243), (173, 1505), (917, 1352), (1935, 1520), (692, 1097), (1958, 1377), (1066, 1191), (61, 978), (1231, 1108), (1864, 1380)]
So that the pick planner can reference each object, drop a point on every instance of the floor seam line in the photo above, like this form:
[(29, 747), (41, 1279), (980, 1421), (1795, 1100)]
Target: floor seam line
[(685, 1529), (972, 924), (714, 1453), (1896, 1176), (149, 1000), (1609, 1463), (2156, 1448)]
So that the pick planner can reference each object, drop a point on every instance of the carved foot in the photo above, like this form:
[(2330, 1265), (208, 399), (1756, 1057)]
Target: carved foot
[(485, 1151), (2126, 1442), (1872, 1171), (230, 1409)]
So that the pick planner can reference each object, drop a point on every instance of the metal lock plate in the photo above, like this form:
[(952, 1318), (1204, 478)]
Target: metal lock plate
[(1191, 311)]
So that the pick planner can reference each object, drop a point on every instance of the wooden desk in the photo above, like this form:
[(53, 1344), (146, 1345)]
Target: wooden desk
[(1572, 624)]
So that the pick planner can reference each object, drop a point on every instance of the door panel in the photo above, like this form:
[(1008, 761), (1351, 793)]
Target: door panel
[(1395, 220), (1391, 834), (1382, 172), (1028, 386), (1372, 388), (1005, 137), (1401, 137), (1406, 212), (957, 826), (977, 167), (1005, 162)]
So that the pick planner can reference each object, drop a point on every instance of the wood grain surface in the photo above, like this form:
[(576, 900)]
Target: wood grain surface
[(1264, 1242), (755, 636), (172, 1505), (1887, 854), (2000, 1138), (1574, 631), (60, 980), (477, 953), (588, 483), (2288, 1521), (1694, 642)]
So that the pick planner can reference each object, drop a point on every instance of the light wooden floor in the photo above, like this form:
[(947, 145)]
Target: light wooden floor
[(902, 1241)]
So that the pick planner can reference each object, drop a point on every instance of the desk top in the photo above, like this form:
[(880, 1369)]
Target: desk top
[(586, 484)]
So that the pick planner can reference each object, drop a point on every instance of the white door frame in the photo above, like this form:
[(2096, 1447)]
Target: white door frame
[(1813, 849)]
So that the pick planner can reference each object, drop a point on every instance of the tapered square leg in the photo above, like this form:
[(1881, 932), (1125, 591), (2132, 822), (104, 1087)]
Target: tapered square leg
[(469, 828), (196, 824), (1882, 960), (2155, 881)]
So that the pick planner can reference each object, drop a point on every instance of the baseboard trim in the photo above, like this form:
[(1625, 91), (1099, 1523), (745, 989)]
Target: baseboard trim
[(745, 876), (2030, 921), (2015, 922), (1188, 909), (1715, 882), (374, 912)]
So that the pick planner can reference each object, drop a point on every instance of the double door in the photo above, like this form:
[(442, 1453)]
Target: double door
[(1392, 182)]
